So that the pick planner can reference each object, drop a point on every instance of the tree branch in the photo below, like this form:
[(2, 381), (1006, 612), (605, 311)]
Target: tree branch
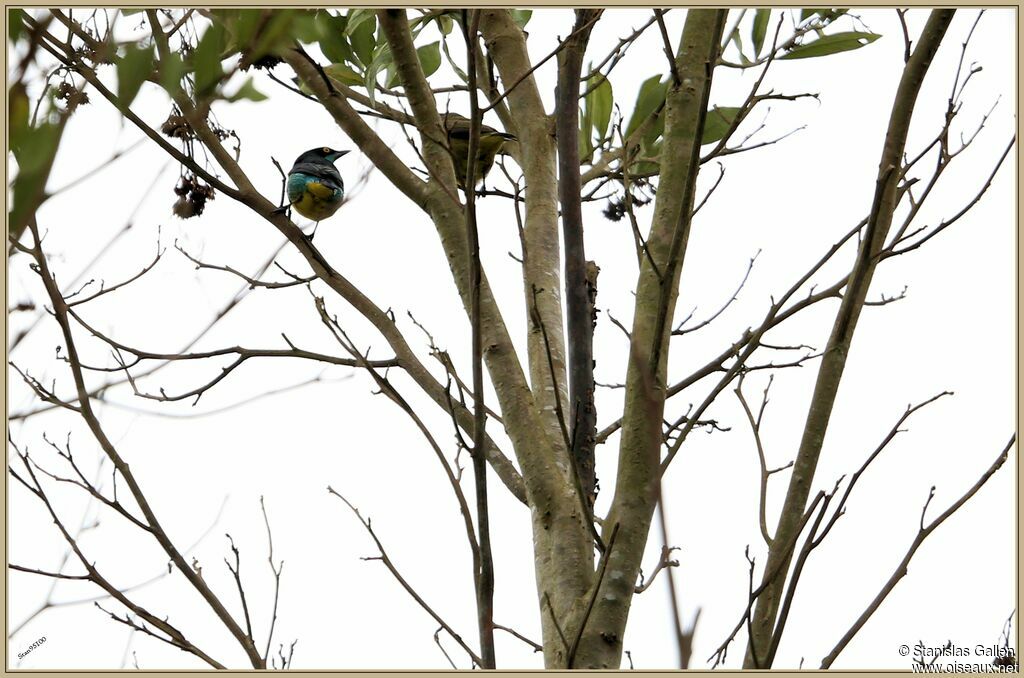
[(485, 571), (834, 359), (923, 532), (383, 557), (636, 484), (579, 317)]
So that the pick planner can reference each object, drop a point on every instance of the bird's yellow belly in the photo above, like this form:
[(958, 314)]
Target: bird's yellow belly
[(312, 207)]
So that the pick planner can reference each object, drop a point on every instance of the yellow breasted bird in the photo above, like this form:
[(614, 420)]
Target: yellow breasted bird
[(315, 187), (492, 142)]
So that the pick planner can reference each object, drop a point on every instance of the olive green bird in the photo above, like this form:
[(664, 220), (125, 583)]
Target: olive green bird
[(492, 142)]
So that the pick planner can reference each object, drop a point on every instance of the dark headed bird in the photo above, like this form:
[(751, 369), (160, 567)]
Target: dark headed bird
[(492, 142), (315, 188)]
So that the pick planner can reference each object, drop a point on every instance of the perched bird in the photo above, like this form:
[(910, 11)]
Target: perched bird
[(315, 188), (492, 142)]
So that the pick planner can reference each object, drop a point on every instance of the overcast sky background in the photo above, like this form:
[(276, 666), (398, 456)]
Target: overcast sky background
[(791, 201)]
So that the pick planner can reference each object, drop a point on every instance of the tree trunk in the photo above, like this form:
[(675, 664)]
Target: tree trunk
[(637, 484)]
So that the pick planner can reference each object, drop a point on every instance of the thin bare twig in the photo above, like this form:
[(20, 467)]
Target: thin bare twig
[(236, 573), (613, 57), (383, 557), (554, 619), (923, 532), (667, 44), (664, 561), (537, 647), (720, 654), (680, 330)]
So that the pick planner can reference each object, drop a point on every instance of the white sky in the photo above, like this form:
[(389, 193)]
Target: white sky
[(954, 331)]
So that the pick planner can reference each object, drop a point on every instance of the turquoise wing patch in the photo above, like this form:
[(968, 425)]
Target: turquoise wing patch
[(297, 186)]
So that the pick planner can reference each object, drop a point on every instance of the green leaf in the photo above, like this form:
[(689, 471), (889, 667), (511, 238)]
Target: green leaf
[(830, 15), (129, 12), (737, 40), (339, 73), (601, 101), (363, 40), (430, 58), (650, 142), (275, 35), (356, 17), (248, 91), (34, 152), (430, 61), (307, 25), (652, 149), (132, 70), (825, 15), (227, 16), (36, 145), (17, 113), (416, 23), (717, 123), (757, 33), (391, 79), (15, 25), (445, 23), (521, 17), (344, 74), (454, 64), (258, 32), (831, 44), (240, 25), (585, 140), (597, 113), (380, 61), (334, 43), (648, 99), (172, 70), (646, 167), (206, 59)]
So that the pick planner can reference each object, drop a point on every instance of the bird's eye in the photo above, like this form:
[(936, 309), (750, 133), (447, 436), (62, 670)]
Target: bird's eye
[(326, 150)]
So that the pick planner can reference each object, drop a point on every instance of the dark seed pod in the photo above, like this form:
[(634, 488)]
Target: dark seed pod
[(177, 127), (192, 197)]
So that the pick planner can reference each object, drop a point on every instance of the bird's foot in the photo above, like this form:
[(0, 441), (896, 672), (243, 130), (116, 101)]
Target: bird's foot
[(283, 209)]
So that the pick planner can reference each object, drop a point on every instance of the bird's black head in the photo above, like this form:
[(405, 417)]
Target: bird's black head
[(320, 154)]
